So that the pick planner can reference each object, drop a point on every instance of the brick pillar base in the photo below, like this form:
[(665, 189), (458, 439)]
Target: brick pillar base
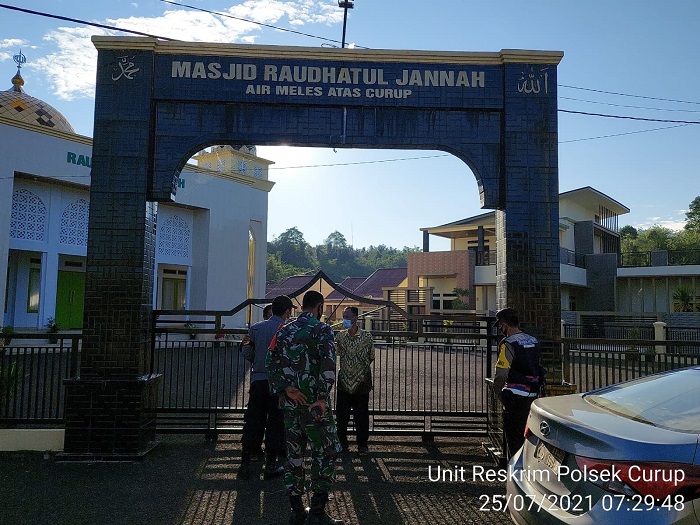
[(110, 419)]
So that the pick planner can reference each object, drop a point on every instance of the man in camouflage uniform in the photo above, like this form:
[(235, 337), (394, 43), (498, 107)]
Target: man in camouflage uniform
[(301, 365)]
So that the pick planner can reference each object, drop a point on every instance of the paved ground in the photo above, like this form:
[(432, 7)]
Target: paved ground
[(187, 480)]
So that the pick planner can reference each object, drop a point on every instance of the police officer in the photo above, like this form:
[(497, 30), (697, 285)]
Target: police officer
[(301, 364), (518, 377)]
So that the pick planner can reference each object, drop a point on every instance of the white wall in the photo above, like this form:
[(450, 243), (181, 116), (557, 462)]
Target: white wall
[(218, 211)]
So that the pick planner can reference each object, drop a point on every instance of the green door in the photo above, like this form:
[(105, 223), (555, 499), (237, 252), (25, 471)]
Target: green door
[(70, 294)]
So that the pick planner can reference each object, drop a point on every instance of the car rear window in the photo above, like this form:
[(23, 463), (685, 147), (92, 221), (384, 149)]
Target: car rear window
[(670, 400)]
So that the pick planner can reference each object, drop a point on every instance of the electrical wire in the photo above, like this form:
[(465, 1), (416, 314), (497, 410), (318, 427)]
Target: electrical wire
[(629, 95), (628, 117), (359, 162), (219, 13), (622, 134), (78, 21), (628, 106)]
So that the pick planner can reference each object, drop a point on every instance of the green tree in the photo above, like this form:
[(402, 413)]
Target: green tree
[(461, 302), (654, 239), (294, 250), (277, 271), (692, 216), (686, 239), (628, 232)]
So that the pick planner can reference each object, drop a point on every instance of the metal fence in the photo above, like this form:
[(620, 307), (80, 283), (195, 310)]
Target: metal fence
[(610, 330), (592, 364), (432, 389), (31, 379), (426, 388)]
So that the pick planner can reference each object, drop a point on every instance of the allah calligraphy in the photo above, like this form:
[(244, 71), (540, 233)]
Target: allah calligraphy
[(532, 83)]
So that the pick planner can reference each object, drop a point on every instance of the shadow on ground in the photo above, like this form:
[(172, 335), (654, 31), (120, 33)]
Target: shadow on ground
[(187, 480)]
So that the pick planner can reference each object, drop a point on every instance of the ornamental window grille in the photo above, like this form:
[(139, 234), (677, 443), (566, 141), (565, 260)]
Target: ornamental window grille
[(28, 216), (174, 238), (74, 223)]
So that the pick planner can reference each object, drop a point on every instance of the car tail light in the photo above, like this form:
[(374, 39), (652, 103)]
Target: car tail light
[(659, 480), (527, 432)]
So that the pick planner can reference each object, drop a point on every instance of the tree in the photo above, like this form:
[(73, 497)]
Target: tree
[(277, 271), (461, 302), (692, 216), (336, 241), (654, 239), (294, 250), (628, 232)]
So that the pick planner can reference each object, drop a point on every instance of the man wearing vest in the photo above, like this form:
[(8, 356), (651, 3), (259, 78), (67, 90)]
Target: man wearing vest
[(518, 377)]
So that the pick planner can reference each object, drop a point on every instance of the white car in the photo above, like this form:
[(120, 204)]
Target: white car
[(626, 453)]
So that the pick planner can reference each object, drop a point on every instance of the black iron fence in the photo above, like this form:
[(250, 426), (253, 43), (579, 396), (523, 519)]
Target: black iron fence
[(31, 378), (595, 363), (432, 389), (610, 330), (422, 388)]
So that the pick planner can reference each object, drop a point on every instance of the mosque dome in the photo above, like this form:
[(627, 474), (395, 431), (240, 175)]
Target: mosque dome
[(16, 105)]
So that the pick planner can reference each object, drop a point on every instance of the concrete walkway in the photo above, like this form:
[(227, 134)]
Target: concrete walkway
[(187, 480)]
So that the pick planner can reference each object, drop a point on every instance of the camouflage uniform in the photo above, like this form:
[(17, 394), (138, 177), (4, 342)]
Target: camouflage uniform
[(302, 355)]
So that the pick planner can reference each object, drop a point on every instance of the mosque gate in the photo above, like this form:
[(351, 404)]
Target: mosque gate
[(157, 103)]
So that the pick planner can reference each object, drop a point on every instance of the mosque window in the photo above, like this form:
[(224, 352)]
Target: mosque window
[(28, 216), (74, 223), (174, 238)]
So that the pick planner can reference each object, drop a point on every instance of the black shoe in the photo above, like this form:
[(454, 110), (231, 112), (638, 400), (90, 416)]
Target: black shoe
[(299, 513), (317, 512), (245, 470)]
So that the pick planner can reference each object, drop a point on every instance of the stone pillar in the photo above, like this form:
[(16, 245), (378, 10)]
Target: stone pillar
[(527, 218), (111, 406), (660, 335)]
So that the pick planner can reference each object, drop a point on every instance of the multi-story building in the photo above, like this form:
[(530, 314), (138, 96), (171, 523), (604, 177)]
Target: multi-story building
[(594, 275)]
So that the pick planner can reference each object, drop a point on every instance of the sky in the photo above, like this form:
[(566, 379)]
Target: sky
[(632, 58)]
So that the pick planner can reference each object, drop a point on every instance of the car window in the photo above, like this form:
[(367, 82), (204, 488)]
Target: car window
[(669, 400)]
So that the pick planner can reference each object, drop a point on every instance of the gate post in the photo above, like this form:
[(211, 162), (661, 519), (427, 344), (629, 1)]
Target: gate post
[(110, 407), (527, 219)]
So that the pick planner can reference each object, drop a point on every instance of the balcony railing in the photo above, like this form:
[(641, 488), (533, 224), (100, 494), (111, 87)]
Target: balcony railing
[(571, 258), (485, 258), (660, 258)]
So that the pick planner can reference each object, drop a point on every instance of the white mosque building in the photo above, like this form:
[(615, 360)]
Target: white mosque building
[(211, 242)]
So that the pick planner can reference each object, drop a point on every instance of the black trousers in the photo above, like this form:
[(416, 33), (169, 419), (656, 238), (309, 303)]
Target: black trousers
[(263, 418), (358, 404), (515, 411)]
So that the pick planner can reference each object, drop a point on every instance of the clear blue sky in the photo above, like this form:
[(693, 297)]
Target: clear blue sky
[(634, 47)]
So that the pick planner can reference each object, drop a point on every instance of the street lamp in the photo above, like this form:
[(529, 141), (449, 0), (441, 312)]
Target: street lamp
[(345, 4)]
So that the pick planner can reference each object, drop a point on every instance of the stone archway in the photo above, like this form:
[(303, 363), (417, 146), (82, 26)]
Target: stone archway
[(159, 102)]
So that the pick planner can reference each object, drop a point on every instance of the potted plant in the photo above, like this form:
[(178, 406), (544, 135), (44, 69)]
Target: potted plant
[(7, 332), (53, 327)]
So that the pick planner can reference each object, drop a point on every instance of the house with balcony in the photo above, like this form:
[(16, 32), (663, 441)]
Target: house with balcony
[(589, 248), (595, 276)]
